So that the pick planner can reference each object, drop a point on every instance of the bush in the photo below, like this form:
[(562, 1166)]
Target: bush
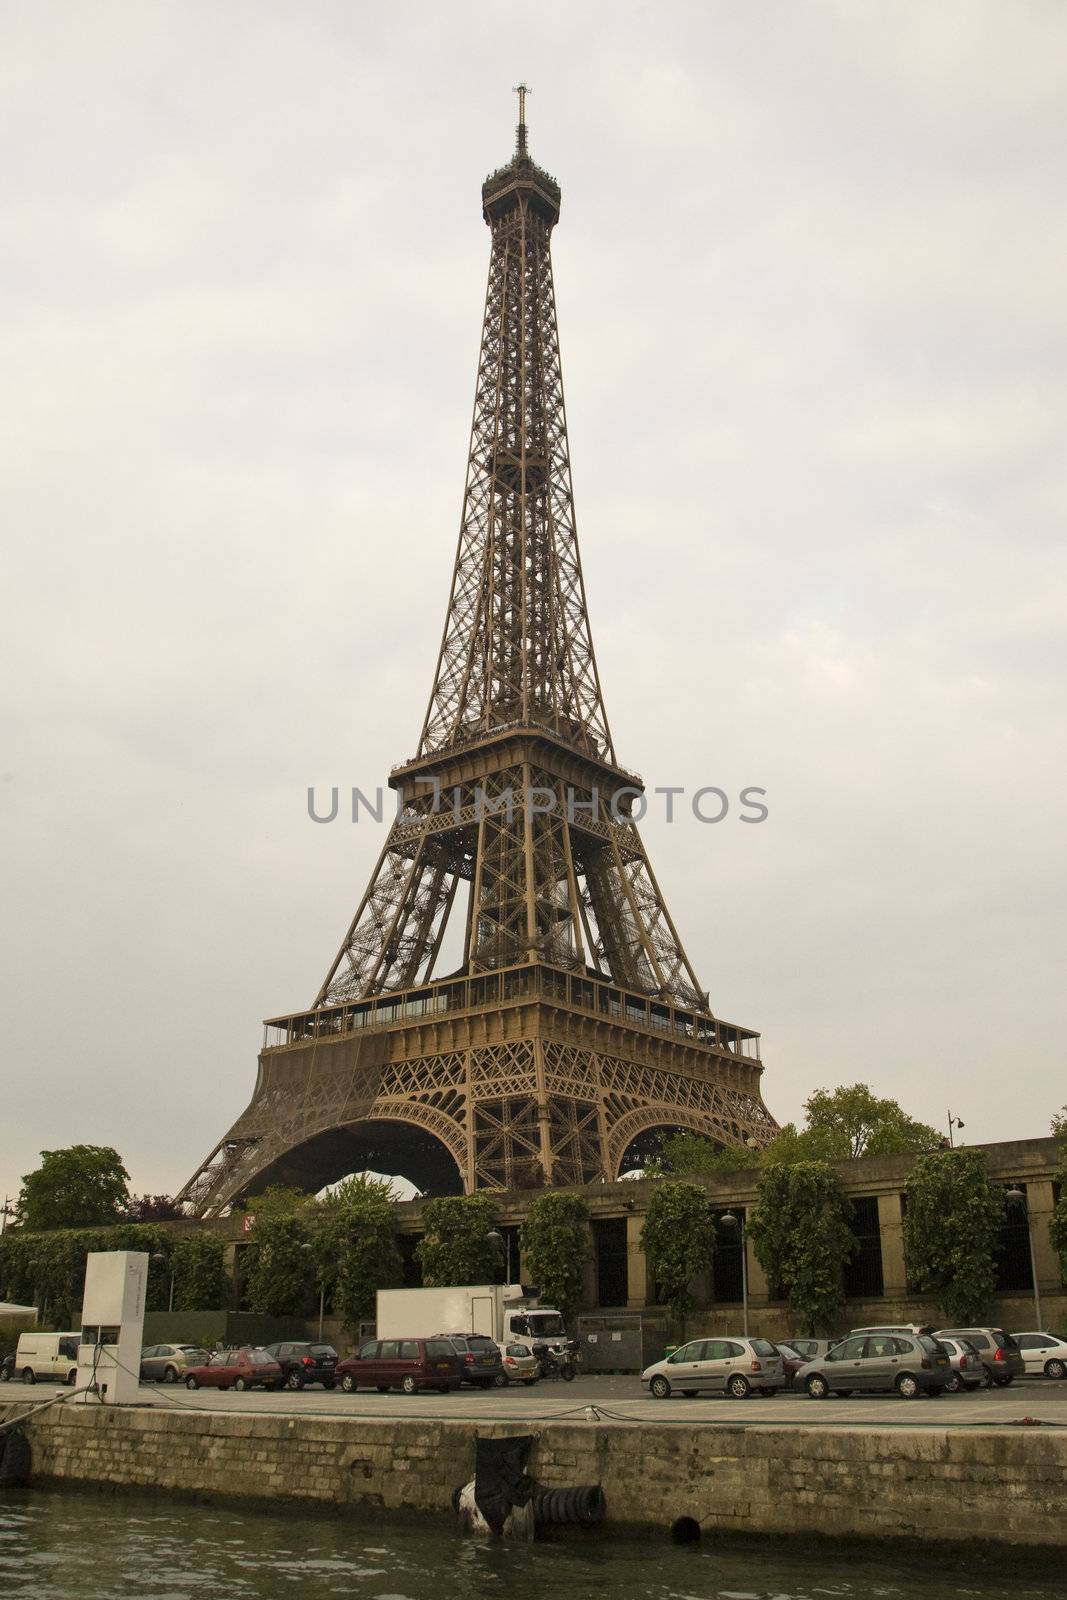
[(800, 1228), (555, 1241), (952, 1225), (678, 1239)]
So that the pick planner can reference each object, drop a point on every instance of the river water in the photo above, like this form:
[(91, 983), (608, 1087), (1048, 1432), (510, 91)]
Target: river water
[(64, 1545)]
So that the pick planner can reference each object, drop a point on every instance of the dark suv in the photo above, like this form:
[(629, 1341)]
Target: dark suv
[(482, 1363), (305, 1363)]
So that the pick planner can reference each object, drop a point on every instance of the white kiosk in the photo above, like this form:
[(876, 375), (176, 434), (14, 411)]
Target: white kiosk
[(109, 1355)]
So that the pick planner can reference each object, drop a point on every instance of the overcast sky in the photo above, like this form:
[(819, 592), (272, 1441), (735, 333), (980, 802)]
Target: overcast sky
[(810, 273)]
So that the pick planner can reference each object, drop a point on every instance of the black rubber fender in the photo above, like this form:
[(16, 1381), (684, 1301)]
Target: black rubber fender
[(14, 1457), (582, 1507)]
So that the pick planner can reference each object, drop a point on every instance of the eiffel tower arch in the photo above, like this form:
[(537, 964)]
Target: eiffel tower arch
[(574, 1029)]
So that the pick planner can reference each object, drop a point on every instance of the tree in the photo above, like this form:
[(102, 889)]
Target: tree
[(678, 1239), (791, 1144), (861, 1124), (687, 1155), (800, 1230), (353, 1241), (153, 1208), (1059, 1123), (277, 1201), (281, 1272), (83, 1186), (952, 1225), (456, 1247), (555, 1241), (200, 1281)]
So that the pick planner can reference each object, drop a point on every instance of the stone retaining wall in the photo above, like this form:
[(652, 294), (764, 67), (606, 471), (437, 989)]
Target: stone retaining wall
[(1004, 1485)]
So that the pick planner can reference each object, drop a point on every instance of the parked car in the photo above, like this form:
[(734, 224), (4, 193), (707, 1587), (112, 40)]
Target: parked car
[(305, 1363), (1000, 1355), (43, 1356), (1043, 1352), (912, 1364), (480, 1357), (967, 1369), (792, 1360), (736, 1366), (407, 1364), (812, 1349), (166, 1363), (915, 1328), (520, 1364), (250, 1368)]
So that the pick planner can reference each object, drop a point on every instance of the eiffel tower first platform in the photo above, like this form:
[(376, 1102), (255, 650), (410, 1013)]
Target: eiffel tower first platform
[(574, 1031)]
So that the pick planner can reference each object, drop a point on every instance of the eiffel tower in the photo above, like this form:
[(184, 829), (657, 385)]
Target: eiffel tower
[(574, 1031)]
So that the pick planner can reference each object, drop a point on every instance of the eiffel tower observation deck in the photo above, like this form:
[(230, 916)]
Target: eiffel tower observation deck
[(574, 1031)]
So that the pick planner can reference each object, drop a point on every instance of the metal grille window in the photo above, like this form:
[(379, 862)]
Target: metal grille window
[(726, 1270), (1011, 1258), (863, 1274), (611, 1266)]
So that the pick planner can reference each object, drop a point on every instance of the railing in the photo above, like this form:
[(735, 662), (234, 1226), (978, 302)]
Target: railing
[(491, 990)]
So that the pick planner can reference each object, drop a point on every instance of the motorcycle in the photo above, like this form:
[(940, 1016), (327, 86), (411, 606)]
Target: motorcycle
[(558, 1363)]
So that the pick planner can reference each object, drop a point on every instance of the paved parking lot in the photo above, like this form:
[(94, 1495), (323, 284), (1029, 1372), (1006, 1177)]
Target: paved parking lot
[(622, 1399)]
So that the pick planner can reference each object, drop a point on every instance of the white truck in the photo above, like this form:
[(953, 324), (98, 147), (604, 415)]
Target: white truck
[(502, 1311)]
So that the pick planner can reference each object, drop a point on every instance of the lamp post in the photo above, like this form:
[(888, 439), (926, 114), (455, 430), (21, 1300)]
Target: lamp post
[(505, 1244), (730, 1221), (322, 1294), (6, 1210), (158, 1255), (1017, 1196), (953, 1122)]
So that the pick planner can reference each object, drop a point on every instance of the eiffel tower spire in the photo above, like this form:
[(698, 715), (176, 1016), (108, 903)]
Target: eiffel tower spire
[(514, 820)]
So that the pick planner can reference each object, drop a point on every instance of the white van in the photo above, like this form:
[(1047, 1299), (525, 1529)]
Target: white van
[(41, 1357)]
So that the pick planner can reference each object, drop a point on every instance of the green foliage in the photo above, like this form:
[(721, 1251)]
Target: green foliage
[(678, 1239), (353, 1242), (83, 1186), (280, 1271), (555, 1241), (861, 1124), (48, 1269), (952, 1224), (792, 1144), (456, 1247), (11, 1327), (276, 1201), (1059, 1123), (802, 1238), (1057, 1226), (687, 1155), (200, 1281)]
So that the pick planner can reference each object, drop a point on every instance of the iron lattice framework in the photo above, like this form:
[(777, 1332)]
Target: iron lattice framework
[(515, 817)]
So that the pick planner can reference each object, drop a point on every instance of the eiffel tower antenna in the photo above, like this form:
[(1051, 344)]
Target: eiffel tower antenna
[(574, 1030)]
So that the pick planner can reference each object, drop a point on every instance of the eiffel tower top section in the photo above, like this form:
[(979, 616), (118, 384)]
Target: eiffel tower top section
[(517, 650)]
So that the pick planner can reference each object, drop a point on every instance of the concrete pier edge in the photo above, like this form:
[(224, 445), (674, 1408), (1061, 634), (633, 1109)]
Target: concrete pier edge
[(1000, 1486)]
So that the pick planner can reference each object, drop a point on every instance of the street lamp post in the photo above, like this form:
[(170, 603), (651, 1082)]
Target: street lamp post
[(158, 1256), (953, 1122), (322, 1294), (729, 1220), (6, 1210), (1016, 1196), (505, 1244)]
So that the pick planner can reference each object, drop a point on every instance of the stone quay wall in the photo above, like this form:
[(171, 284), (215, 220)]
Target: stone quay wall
[(1004, 1486)]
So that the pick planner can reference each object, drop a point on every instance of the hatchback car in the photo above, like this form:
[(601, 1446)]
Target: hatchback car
[(811, 1349), (912, 1364), (967, 1369), (249, 1368), (999, 1353), (407, 1364), (520, 1364), (305, 1363), (738, 1367), (1043, 1352), (482, 1367), (166, 1363), (792, 1360)]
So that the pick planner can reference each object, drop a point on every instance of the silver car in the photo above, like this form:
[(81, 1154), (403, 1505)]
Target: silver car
[(912, 1364), (1043, 1352), (735, 1366), (166, 1363), (1000, 1355), (967, 1369)]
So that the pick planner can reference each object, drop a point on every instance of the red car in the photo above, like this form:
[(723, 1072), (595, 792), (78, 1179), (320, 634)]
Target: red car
[(236, 1369)]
